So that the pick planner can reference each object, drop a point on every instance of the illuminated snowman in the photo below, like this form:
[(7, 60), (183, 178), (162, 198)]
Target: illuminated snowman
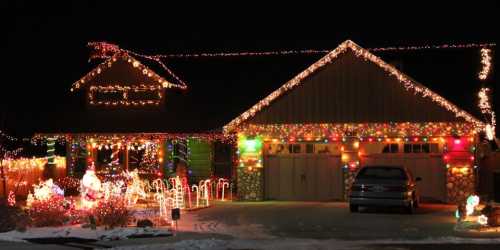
[(91, 190)]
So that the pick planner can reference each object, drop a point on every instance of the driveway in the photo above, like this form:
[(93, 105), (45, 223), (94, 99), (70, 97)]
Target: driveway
[(319, 220), (303, 225)]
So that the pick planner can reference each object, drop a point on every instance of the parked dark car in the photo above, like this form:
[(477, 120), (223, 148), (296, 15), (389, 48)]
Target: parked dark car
[(384, 186)]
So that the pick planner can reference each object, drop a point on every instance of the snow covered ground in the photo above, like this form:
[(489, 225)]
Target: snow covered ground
[(283, 225), (306, 244), (78, 232)]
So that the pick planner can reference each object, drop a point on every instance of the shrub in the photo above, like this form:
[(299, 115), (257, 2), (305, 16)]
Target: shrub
[(50, 212), (112, 213)]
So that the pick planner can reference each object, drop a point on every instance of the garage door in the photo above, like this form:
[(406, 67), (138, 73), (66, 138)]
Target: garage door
[(429, 167), (303, 177)]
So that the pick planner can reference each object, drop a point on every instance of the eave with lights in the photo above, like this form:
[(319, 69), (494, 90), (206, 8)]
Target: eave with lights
[(122, 80)]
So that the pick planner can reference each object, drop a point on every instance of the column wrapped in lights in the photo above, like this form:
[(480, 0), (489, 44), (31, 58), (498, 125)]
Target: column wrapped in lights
[(250, 181), (51, 154)]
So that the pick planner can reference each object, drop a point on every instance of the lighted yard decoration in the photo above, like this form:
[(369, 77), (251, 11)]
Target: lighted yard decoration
[(472, 216), (46, 190), (222, 185), (91, 189), (135, 188)]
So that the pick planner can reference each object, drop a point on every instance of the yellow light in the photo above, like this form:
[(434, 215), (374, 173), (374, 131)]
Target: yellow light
[(355, 144), (345, 157)]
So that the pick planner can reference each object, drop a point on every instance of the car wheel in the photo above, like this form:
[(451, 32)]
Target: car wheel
[(353, 208)]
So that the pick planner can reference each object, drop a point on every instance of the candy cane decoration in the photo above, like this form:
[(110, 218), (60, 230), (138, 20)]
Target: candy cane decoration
[(207, 190), (224, 184), (197, 194)]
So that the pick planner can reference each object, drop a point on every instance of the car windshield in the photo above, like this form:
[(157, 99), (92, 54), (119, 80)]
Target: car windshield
[(382, 173)]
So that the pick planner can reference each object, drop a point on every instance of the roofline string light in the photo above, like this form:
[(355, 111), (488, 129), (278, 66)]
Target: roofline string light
[(408, 84), (111, 52), (308, 51)]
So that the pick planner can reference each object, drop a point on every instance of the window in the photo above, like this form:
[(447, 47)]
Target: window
[(407, 148), (417, 148), (394, 148), (391, 148), (294, 148), (421, 148), (309, 148), (425, 148)]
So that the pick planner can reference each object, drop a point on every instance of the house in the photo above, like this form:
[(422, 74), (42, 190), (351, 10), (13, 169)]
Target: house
[(119, 127), (307, 139)]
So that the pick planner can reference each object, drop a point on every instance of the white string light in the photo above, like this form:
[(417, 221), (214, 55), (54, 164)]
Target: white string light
[(486, 109), (314, 51), (408, 84), (486, 63)]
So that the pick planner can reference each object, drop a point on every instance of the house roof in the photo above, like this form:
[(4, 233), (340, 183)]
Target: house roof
[(435, 107), (124, 70)]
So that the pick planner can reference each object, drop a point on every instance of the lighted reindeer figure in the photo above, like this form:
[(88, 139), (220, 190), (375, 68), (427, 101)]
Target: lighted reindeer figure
[(135, 190)]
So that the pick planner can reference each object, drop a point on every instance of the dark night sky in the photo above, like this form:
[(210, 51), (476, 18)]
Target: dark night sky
[(46, 53)]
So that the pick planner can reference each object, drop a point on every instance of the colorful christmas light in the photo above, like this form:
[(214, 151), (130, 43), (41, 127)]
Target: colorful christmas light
[(364, 131), (406, 82)]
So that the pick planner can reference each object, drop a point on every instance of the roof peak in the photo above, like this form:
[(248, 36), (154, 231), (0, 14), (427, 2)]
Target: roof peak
[(407, 82)]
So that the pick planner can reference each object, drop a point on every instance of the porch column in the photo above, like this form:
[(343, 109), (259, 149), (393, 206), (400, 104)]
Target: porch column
[(250, 171), (460, 174), (350, 161), (69, 158), (161, 156), (50, 167)]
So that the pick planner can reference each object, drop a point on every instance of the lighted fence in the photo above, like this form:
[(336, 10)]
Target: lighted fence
[(22, 173)]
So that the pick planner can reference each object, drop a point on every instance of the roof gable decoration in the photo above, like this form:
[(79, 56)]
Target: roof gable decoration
[(407, 82), (107, 64)]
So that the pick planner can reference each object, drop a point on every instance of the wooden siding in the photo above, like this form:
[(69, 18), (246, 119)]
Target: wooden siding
[(351, 89)]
